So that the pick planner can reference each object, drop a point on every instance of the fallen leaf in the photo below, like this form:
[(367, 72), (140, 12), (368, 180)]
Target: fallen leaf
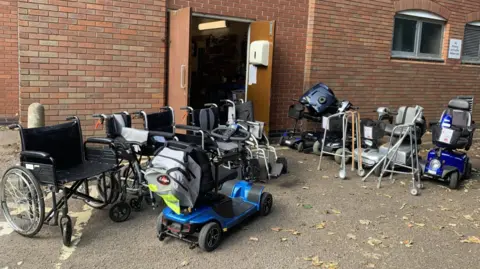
[(458, 234), (438, 227), (19, 263), (300, 162), (307, 206), (403, 206), (352, 236), (382, 217), (253, 239), (370, 265), (309, 170), (407, 243), (402, 183), (444, 208), (420, 224), (316, 261), (453, 224), (431, 210), (184, 263), (364, 187), (365, 222), (388, 196), (321, 225), (471, 239), (336, 211), (283, 239), (298, 204), (373, 241), (324, 176), (468, 217), (289, 230), (276, 229), (309, 258), (296, 233), (409, 225), (372, 255), (330, 233), (305, 187), (331, 265), (453, 217), (405, 218)]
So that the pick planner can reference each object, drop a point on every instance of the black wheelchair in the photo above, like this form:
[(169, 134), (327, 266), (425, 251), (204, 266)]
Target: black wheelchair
[(133, 148), (55, 161)]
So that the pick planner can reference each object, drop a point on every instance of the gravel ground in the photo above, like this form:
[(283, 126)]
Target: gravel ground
[(317, 217)]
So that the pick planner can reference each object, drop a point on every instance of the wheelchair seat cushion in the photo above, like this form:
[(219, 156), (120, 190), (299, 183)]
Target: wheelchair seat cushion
[(135, 135), (227, 146), (82, 171)]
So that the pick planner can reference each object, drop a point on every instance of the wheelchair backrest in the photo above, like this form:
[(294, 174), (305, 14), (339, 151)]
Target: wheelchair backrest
[(162, 121), (244, 111), (406, 115), (64, 142), (459, 110), (206, 119), (115, 124)]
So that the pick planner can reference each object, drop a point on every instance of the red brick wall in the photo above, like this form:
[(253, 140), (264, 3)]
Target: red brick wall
[(91, 56), (8, 61), (350, 45), (289, 51)]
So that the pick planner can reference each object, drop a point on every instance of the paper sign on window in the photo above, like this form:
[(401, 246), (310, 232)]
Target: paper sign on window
[(367, 132), (446, 135), (325, 123)]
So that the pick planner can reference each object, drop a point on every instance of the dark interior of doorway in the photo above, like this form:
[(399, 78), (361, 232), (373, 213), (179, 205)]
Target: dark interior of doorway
[(217, 62)]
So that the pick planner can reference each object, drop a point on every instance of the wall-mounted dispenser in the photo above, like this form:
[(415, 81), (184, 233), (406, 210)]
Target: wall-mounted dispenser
[(259, 52)]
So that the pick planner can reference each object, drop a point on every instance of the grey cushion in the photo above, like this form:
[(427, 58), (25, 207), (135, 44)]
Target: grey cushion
[(459, 104)]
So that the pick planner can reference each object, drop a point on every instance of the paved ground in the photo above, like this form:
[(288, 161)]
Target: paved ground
[(316, 216)]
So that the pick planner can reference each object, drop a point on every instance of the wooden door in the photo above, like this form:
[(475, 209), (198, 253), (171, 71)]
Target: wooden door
[(178, 61), (260, 92)]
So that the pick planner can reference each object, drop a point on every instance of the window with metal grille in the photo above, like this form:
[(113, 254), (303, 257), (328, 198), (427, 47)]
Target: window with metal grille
[(471, 43), (418, 35)]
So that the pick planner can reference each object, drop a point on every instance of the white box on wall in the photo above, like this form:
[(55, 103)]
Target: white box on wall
[(259, 52)]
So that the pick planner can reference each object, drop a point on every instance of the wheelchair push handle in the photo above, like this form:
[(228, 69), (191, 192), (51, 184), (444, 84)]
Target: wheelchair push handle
[(13, 126), (72, 118)]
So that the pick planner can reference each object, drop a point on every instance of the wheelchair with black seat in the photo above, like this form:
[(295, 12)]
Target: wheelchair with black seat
[(55, 160), (131, 146)]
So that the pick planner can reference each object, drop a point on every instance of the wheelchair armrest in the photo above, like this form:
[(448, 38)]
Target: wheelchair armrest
[(188, 127), (164, 134), (35, 154), (100, 140)]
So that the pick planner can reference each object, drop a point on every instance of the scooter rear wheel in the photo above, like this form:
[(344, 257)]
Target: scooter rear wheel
[(210, 236)]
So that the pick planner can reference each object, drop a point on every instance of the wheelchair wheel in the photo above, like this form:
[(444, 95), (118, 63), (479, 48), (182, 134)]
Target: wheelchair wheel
[(22, 201), (120, 212), (136, 203), (109, 194), (66, 229), (210, 236)]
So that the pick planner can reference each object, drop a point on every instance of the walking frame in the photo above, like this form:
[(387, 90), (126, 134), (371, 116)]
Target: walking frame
[(391, 156), (356, 137)]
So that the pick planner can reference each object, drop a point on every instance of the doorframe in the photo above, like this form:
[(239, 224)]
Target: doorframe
[(227, 18)]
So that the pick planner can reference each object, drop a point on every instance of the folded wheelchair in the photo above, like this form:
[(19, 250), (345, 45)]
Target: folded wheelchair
[(131, 146), (56, 158)]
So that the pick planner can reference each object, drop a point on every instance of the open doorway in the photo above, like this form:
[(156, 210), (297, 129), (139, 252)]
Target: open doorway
[(217, 60)]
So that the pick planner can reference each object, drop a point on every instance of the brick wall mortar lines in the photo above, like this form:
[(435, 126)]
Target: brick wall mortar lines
[(9, 75), (351, 54), (82, 58)]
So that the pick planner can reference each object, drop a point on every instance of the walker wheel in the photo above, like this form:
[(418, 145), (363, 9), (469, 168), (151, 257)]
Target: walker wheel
[(300, 147), (420, 186), (120, 212), (136, 204), (361, 172), (66, 229), (414, 192)]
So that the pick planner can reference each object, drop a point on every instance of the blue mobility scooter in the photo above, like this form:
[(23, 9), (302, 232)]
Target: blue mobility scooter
[(454, 131), (197, 211)]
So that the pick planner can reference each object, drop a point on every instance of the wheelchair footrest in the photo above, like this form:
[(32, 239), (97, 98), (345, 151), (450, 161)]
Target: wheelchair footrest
[(276, 170)]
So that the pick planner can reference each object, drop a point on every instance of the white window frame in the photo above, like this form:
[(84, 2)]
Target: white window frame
[(468, 59), (419, 18)]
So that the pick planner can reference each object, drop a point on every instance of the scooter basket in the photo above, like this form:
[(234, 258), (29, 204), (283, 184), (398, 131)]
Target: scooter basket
[(296, 111), (371, 129), (446, 136)]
